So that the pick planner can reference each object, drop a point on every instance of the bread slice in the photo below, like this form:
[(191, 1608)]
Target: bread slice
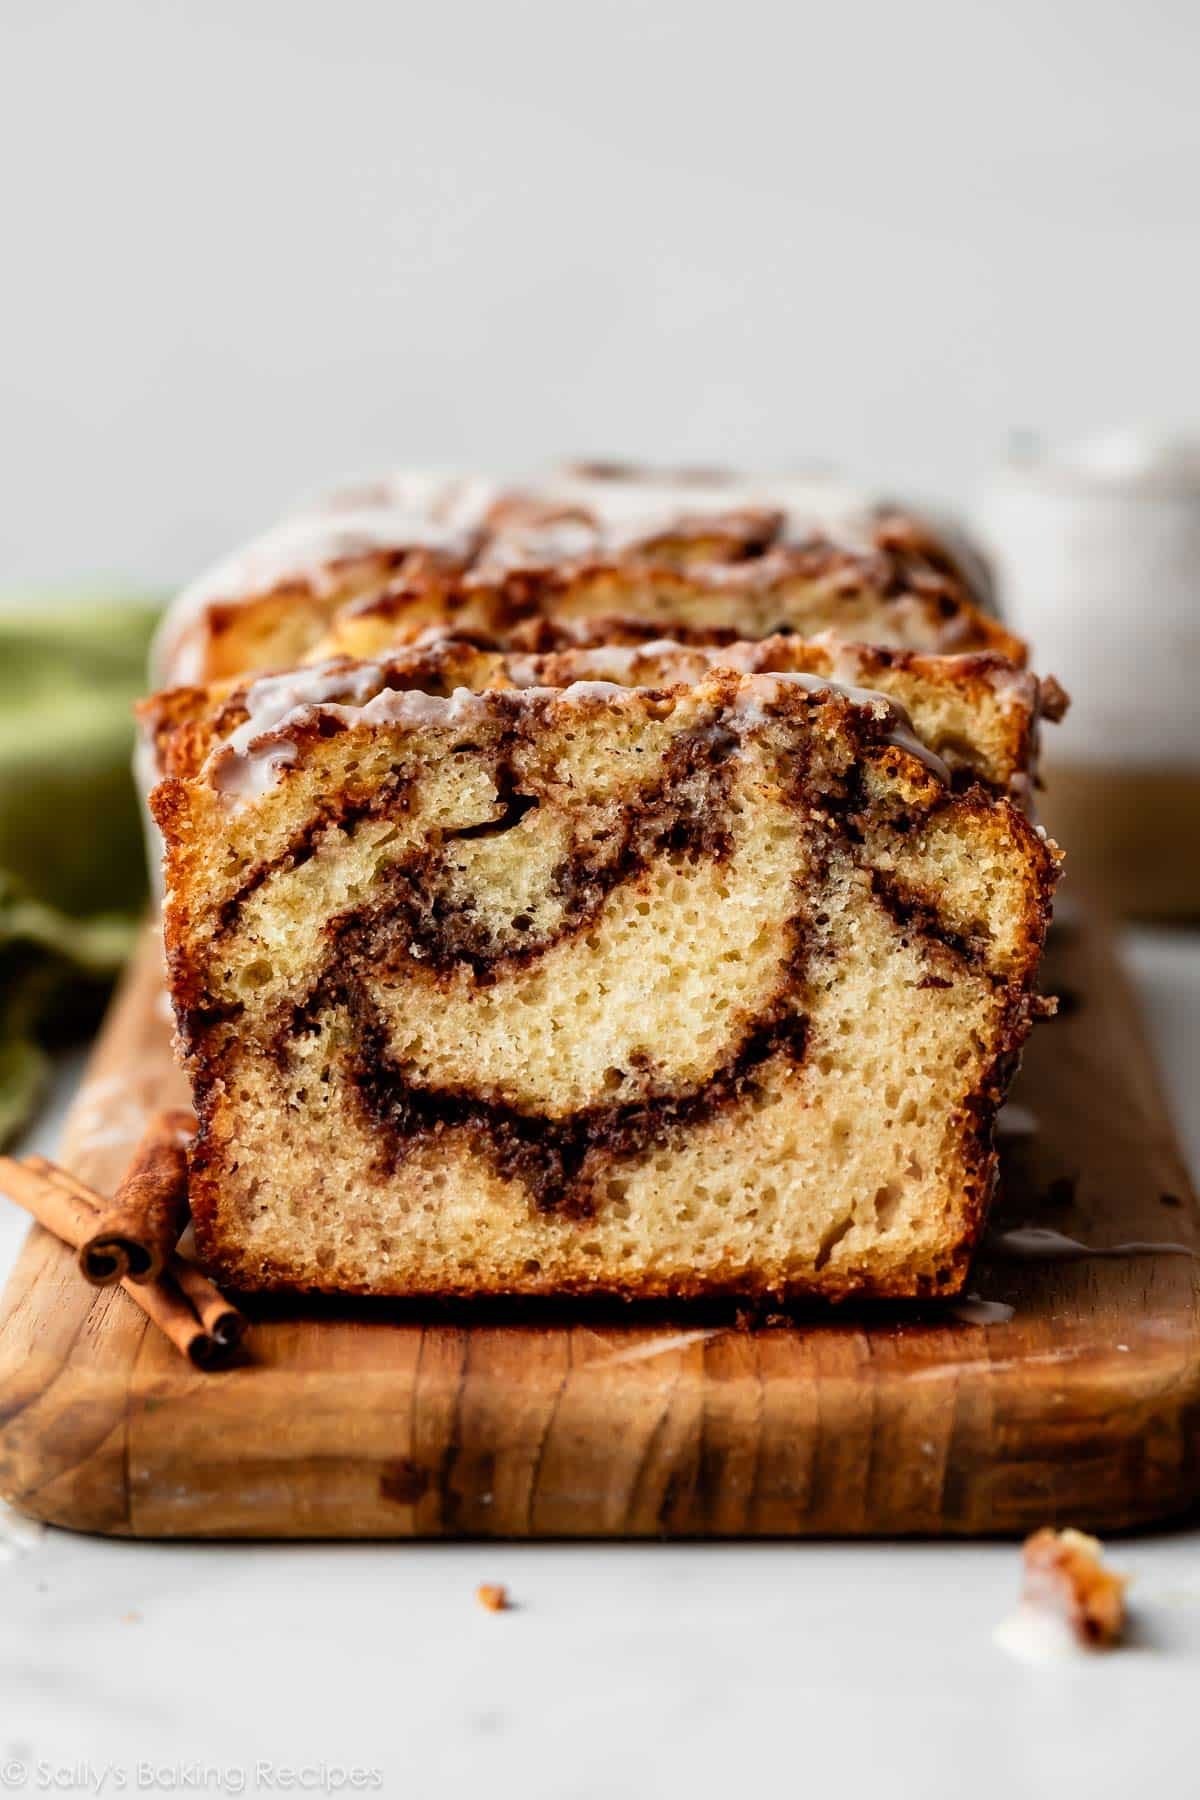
[(978, 712), (488, 988), (377, 565)]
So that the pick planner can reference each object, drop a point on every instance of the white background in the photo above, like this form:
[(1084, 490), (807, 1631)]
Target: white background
[(249, 245)]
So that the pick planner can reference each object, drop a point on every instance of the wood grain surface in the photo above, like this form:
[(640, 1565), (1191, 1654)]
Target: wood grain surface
[(377, 1420)]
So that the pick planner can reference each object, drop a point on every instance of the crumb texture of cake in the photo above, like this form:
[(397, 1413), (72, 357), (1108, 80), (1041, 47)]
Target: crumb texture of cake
[(373, 566), (523, 976)]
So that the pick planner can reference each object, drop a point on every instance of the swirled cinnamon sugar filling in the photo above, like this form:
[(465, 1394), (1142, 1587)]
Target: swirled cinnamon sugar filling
[(642, 974)]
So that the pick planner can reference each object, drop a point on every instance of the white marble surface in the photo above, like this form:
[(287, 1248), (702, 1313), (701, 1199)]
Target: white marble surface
[(624, 1670)]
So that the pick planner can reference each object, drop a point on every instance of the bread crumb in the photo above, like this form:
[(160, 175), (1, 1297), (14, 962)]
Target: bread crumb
[(492, 1597), (131, 1618), (1065, 1574)]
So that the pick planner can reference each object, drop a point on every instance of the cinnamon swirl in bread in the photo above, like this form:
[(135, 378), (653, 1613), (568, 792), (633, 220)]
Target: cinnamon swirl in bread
[(660, 972)]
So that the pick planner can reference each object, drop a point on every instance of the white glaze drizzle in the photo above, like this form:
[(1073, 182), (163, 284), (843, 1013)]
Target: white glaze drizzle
[(634, 508), (621, 659), (972, 1309), (1016, 1121), (245, 766), (248, 763), (900, 727), (403, 511), (1038, 1243), (742, 658)]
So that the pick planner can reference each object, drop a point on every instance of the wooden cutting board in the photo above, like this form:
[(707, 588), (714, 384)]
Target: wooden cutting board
[(377, 1420)]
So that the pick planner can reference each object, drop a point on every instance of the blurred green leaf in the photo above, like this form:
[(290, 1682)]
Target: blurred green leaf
[(72, 863), (70, 828), (23, 1071)]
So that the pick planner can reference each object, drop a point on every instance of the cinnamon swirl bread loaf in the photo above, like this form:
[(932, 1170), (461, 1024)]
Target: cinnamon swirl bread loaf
[(376, 565), (654, 975)]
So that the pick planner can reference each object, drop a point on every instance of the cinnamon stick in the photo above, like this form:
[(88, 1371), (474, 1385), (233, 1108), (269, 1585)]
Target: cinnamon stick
[(225, 1325), (219, 1317), (68, 1210), (65, 1214), (135, 1235)]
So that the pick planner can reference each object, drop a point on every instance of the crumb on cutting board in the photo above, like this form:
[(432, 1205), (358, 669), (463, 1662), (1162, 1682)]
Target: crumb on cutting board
[(493, 1597)]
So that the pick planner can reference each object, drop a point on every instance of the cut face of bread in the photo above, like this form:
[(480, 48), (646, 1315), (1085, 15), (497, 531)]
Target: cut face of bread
[(374, 567), (487, 988)]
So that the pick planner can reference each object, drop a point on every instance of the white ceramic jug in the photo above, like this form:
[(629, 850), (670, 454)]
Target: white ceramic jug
[(1096, 550)]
